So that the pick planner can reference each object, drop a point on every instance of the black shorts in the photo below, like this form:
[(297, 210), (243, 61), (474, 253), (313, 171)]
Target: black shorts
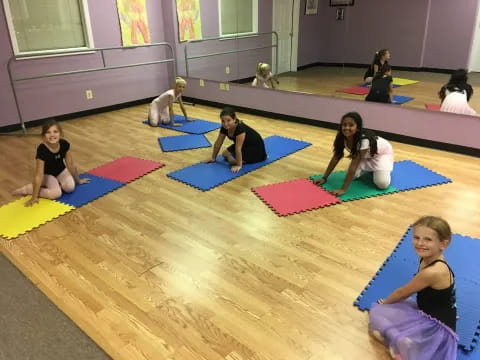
[(250, 154)]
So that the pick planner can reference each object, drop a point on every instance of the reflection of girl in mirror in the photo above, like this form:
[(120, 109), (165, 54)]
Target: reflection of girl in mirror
[(380, 58), (382, 86), (264, 76), (368, 152), (456, 94), (248, 146), (423, 328)]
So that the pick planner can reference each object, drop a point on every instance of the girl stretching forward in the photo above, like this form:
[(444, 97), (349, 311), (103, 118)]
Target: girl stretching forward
[(55, 170), (367, 151), (161, 108), (264, 76), (424, 329), (248, 146)]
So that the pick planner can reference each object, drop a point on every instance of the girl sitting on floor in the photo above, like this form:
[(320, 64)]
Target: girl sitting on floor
[(248, 146), (161, 108), (425, 328), (55, 170)]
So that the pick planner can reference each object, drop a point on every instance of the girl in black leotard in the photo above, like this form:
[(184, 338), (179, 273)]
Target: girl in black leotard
[(248, 146), (424, 329)]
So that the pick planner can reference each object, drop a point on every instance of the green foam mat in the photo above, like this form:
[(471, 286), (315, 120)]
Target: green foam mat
[(360, 188)]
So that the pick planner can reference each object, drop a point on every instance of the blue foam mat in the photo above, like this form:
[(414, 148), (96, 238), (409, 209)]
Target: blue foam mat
[(408, 175), (402, 264), (207, 176), (191, 127), (94, 189), (399, 99), (183, 142)]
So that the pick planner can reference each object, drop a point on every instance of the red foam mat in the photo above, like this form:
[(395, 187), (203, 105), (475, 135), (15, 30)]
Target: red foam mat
[(126, 169), (294, 196), (356, 90), (432, 107)]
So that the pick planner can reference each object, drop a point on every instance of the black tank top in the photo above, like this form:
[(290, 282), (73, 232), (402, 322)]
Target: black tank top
[(440, 304)]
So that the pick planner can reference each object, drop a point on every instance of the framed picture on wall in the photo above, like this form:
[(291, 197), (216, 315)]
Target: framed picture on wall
[(311, 7), (341, 2)]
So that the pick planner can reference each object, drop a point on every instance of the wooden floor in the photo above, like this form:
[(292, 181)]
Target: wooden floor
[(326, 80), (159, 270)]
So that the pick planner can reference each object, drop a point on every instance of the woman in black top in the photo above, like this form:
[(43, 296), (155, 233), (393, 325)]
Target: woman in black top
[(382, 86), (380, 58), (55, 171), (247, 147)]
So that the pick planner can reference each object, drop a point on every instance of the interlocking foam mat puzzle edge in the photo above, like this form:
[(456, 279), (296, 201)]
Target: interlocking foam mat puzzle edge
[(60, 207), (19, 219), (183, 142), (196, 126), (398, 183), (218, 173), (393, 273), (312, 197)]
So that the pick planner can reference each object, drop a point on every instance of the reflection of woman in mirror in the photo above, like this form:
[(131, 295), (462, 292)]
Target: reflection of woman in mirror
[(380, 58), (456, 94), (368, 152), (264, 76), (248, 146), (382, 86)]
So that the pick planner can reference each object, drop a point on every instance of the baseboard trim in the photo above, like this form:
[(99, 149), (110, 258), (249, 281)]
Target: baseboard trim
[(323, 124), (356, 65), (30, 124)]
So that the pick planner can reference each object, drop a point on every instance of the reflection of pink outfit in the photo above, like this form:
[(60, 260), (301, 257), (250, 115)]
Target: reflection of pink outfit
[(456, 102), (159, 108), (261, 81)]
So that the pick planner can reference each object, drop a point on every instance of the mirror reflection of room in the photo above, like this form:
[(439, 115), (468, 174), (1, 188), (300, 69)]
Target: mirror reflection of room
[(326, 47)]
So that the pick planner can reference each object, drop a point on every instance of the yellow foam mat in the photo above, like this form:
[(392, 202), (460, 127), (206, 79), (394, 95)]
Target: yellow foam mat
[(16, 219), (401, 81)]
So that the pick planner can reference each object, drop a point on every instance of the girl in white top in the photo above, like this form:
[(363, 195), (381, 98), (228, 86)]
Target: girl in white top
[(161, 108), (367, 151), (264, 76)]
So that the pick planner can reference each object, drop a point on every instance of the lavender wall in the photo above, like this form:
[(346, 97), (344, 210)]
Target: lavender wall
[(66, 94), (416, 31), (423, 124), (450, 31), (242, 65)]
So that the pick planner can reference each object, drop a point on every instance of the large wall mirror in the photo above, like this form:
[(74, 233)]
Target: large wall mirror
[(322, 46)]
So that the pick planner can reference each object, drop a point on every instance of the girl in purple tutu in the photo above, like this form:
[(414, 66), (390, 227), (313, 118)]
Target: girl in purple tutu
[(423, 329)]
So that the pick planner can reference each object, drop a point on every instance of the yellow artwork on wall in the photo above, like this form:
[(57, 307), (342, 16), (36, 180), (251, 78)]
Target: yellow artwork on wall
[(133, 22), (189, 20)]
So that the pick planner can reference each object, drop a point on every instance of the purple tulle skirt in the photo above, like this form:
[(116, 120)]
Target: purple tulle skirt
[(410, 334)]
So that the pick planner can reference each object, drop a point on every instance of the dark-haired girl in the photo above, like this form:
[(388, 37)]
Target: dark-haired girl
[(456, 94), (55, 170), (247, 147), (382, 86), (380, 58), (368, 152)]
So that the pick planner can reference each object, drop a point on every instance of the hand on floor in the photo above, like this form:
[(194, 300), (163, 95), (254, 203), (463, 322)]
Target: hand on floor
[(235, 168), (31, 201), (338, 192)]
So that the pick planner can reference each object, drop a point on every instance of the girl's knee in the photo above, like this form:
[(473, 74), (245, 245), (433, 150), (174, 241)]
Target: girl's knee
[(51, 194), (68, 186), (382, 184)]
